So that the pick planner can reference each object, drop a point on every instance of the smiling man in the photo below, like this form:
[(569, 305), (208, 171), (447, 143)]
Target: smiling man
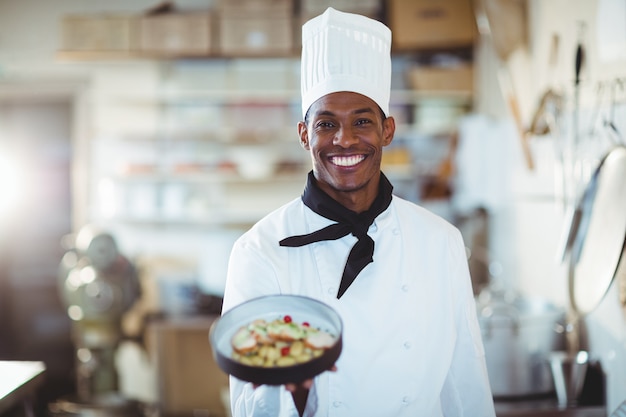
[(345, 133), (396, 273)]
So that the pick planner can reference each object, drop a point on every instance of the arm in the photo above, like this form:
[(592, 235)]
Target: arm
[(251, 275), (466, 390)]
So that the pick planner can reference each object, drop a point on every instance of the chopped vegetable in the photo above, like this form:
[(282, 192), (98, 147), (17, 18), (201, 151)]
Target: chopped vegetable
[(281, 342)]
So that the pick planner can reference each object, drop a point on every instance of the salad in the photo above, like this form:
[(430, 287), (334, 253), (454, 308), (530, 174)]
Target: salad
[(280, 342)]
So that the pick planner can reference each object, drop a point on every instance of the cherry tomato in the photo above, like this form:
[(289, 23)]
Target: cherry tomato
[(284, 351), (306, 324), (287, 319)]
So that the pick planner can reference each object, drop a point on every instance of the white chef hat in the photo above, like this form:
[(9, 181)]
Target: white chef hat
[(345, 52)]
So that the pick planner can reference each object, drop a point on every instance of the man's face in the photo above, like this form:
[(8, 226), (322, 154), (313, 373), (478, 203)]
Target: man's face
[(345, 134)]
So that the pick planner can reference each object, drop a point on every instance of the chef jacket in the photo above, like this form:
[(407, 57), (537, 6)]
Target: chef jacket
[(411, 341)]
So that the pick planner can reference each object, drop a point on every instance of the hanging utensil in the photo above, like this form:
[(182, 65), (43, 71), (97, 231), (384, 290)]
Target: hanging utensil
[(616, 136), (596, 240), (579, 62)]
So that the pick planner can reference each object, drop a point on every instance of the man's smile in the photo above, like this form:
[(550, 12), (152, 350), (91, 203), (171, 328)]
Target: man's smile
[(347, 161)]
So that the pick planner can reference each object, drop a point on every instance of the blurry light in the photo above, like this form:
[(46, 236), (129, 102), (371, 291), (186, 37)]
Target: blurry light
[(10, 184), (93, 290), (75, 312), (69, 260), (87, 275), (84, 355), (84, 237), (73, 281)]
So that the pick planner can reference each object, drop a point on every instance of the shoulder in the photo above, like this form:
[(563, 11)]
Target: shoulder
[(274, 226), (420, 225), (419, 216)]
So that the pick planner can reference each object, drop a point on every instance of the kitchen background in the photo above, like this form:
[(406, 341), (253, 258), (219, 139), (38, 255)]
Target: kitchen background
[(171, 126)]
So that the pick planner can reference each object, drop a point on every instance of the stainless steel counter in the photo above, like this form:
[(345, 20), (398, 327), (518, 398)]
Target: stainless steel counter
[(545, 408), (19, 382)]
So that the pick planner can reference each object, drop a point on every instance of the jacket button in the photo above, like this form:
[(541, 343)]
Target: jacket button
[(405, 288), (337, 404)]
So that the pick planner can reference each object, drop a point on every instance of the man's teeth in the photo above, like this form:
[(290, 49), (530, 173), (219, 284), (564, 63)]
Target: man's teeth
[(347, 161)]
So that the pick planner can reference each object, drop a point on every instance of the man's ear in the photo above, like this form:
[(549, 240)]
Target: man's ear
[(389, 129), (303, 133)]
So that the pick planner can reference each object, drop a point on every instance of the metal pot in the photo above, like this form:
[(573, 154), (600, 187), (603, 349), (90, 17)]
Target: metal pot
[(518, 335)]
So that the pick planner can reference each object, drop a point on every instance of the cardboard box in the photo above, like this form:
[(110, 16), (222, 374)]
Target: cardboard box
[(430, 24), (447, 79), (101, 33), (241, 35), (252, 8), (177, 34), (256, 27), (313, 8), (190, 383)]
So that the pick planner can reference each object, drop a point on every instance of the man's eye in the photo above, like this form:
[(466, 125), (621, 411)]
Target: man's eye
[(361, 122), (324, 124)]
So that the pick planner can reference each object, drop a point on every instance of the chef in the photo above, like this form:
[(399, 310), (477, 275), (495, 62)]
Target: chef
[(396, 273)]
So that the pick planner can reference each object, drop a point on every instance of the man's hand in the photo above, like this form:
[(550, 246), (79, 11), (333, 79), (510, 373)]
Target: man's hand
[(306, 384), (300, 391)]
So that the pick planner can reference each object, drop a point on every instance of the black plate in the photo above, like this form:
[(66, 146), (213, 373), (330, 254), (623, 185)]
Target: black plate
[(301, 309)]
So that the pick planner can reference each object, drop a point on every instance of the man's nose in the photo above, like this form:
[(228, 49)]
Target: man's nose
[(345, 137)]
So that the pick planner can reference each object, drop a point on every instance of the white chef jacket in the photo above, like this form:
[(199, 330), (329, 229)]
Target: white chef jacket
[(411, 343)]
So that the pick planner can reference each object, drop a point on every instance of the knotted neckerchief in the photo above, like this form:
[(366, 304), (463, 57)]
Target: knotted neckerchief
[(348, 221)]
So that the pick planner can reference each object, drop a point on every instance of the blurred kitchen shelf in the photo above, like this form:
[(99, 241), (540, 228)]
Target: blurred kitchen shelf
[(210, 221), (68, 55), (409, 96), (225, 96), (211, 146), (399, 172), (278, 96), (213, 177), (100, 56), (171, 137)]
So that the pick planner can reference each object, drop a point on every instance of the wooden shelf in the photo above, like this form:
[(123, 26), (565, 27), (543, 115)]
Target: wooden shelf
[(212, 177), (73, 55), (288, 97)]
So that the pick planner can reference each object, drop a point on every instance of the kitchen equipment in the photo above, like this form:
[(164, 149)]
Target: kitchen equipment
[(518, 336), (301, 309), (98, 285), (595, 238), (594, 242), (597, 247), (576, 143), (569, 372)]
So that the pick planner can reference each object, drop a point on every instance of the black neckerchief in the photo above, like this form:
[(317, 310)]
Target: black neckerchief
[(348, 221)]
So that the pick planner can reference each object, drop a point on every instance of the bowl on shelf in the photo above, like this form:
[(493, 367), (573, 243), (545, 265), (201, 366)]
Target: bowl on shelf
[(254, 161)]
